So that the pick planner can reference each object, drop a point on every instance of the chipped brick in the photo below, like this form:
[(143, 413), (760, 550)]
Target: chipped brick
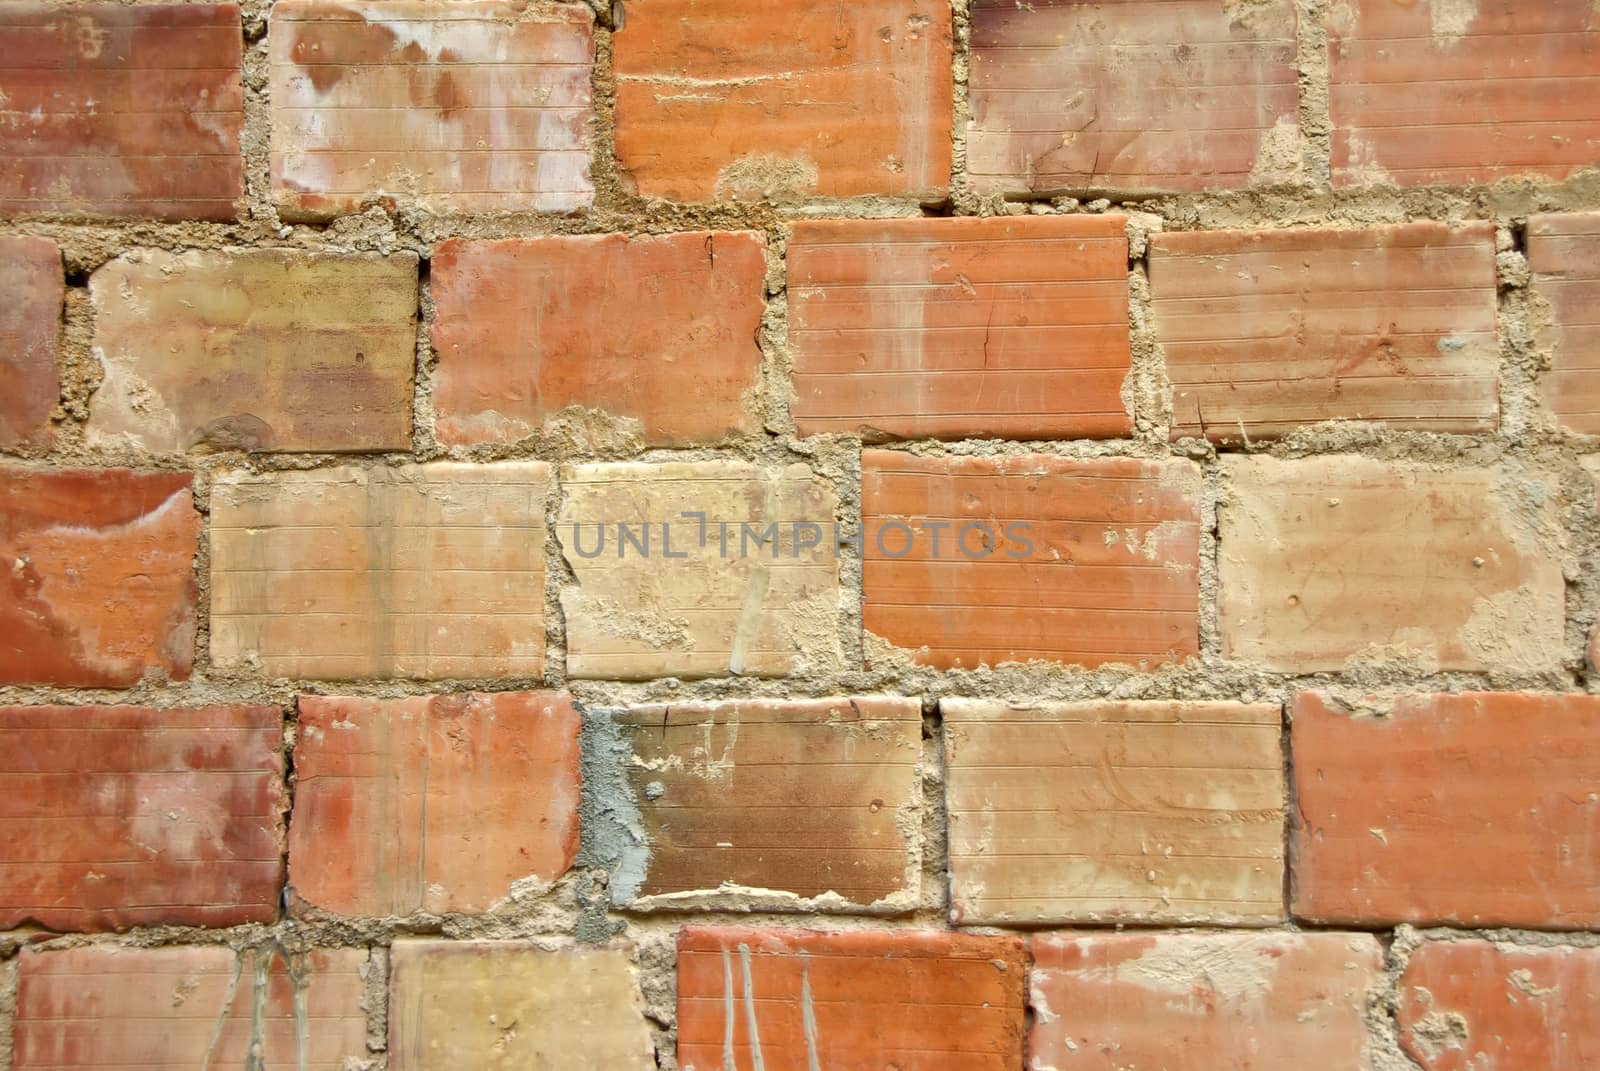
[(1564, 256)]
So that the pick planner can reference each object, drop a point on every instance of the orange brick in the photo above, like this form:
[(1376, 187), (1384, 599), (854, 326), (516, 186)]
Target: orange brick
[(133, 816), (955, 328), (1564, 254), (101, 564), (1127, 812), (1473, 809), (434, 804), (656, 331), (1329, 559), (1466, 1005), (793, 1000), (805, 797), (427, 571), (122, 111), (1447, 93), (255, 350), (1132, 95), (753, 99), (1264, 331), (472, 106), (1200, 1001), (1040, 558), (108, 1007), (30, 385)]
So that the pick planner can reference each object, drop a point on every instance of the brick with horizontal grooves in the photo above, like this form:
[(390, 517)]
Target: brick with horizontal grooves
[(1328, 559), (472, 106), (434, 803), (1200, 1001), (134, 816), (1264, 331), (960, 328), (107, 1007), (122, 111), (257, 350), (30, 318), (804, 797), (427, 571), (101, 568), (796, 1000), (728, 99), (1564, 256), (1132, 95), (1443, 93), (1125, 812), (1105, 571), (656, 331)]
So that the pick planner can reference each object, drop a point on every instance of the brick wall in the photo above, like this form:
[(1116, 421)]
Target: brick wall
[(760, 535)]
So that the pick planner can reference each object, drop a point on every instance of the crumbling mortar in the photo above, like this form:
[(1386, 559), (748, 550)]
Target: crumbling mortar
[(1316, 120)]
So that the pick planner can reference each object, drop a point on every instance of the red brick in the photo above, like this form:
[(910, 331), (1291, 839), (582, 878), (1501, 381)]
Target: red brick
[(32, 290), (956, 328), (1264, 331), (108, 1007), (1105, 571), (753, 99), (1127, 812), (101, 576), (133, 816), (463, 107), (1132, 95), (122, 111), (434, 804), (1564, 255), (1450, 93), (255, 350), (656, 331), (1480, 809), (793, 1000), (1476, 1006), (1328, 559), (1200, 1001)]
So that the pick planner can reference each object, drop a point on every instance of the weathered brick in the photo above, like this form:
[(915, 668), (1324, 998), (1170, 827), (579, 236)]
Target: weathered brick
[(792, 1000), (1452, 93), (1564, 255), (1264, 331), (1096, 812), (101, 567), (1199, 1001), (957, 328), (1469, 1005), (31, 292), (108, 1007), (501, 1004), (135, 816), (707, 597), (753, 99), (1132, 95), (471, 106), (434, 804), (1329, 559), (805, 797), (658, 332), (1420, 815), (427, 571), (1040, 557), (255, 350), (114, 110)]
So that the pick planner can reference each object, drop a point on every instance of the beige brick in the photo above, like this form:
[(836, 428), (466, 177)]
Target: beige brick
[(1564, 254), (424, 571), (1099, 812), (709, 598), (495, 1006), (1324, 560), (255, 350), (803, 797)]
